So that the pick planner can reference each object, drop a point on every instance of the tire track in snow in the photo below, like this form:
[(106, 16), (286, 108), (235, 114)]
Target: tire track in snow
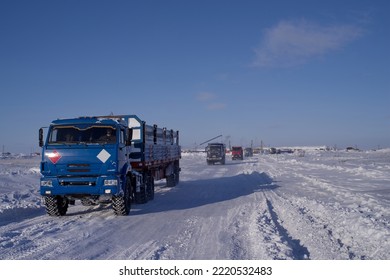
[(277, 240), (313, 225), (256, 232), (43, 237), (238, 249), (177, 246), (31, 241), (349, 223), (298, 251)]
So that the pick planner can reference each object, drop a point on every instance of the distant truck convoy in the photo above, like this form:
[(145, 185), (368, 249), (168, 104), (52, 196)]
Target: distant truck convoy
[(248, 152), (215, 153), (105, 159), (237, 153)]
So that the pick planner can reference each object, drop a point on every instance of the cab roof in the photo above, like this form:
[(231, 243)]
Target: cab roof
[(88, 120)]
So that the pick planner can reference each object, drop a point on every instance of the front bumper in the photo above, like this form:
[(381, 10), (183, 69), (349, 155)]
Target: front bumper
[(80, 185)]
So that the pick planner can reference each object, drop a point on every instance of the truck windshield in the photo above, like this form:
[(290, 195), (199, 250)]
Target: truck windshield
[(82, 134), (215, 149)]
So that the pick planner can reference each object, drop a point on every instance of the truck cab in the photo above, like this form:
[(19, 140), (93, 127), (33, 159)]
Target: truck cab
[(237, 153), (248, 152), (215, 153), (85, 159), (105, 159)]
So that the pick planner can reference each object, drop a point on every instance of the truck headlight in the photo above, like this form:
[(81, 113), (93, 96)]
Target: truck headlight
[(113, 182), (46, 183)]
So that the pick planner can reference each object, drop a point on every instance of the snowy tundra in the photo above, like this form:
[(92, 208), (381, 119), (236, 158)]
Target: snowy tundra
[(331, 205)]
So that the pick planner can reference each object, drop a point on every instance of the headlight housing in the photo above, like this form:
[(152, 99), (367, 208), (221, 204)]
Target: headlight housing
[(111, 182), (46, 183)]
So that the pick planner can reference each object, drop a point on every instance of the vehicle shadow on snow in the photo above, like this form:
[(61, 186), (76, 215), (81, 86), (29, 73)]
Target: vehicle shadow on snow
[(19, 214), (81, 210), (191, 194)]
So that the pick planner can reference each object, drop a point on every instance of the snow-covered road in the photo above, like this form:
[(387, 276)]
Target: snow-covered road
[(325, 205)]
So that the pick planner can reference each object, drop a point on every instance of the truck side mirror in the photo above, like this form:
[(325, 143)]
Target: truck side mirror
[(41, 137)]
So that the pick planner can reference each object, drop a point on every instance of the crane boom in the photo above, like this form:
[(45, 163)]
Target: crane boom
[(210, 140)]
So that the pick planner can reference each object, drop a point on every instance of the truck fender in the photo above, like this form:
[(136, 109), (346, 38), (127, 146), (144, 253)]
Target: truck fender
[(136, 180)]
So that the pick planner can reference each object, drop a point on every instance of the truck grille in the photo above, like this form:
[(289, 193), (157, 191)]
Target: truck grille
[(77, 183), (76, 167)]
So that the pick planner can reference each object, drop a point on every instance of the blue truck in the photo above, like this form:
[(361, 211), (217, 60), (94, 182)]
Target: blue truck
[(105, 159)]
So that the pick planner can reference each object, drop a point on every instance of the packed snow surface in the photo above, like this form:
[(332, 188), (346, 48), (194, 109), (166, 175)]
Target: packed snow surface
[(323, 205)]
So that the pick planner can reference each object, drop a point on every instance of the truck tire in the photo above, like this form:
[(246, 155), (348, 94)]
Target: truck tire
[(150, 187), (171, 181), (141, 197), (122, 203), (56, 205), (177, 177)]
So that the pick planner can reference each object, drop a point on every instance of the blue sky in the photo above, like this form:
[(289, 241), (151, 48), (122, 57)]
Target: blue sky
[(286, 73)]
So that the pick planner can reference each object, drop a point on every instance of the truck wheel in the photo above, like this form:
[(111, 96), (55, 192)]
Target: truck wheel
[(122, 203), (177, 178), (150, 187), (141, 197), (56, 205), (170, 181)]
